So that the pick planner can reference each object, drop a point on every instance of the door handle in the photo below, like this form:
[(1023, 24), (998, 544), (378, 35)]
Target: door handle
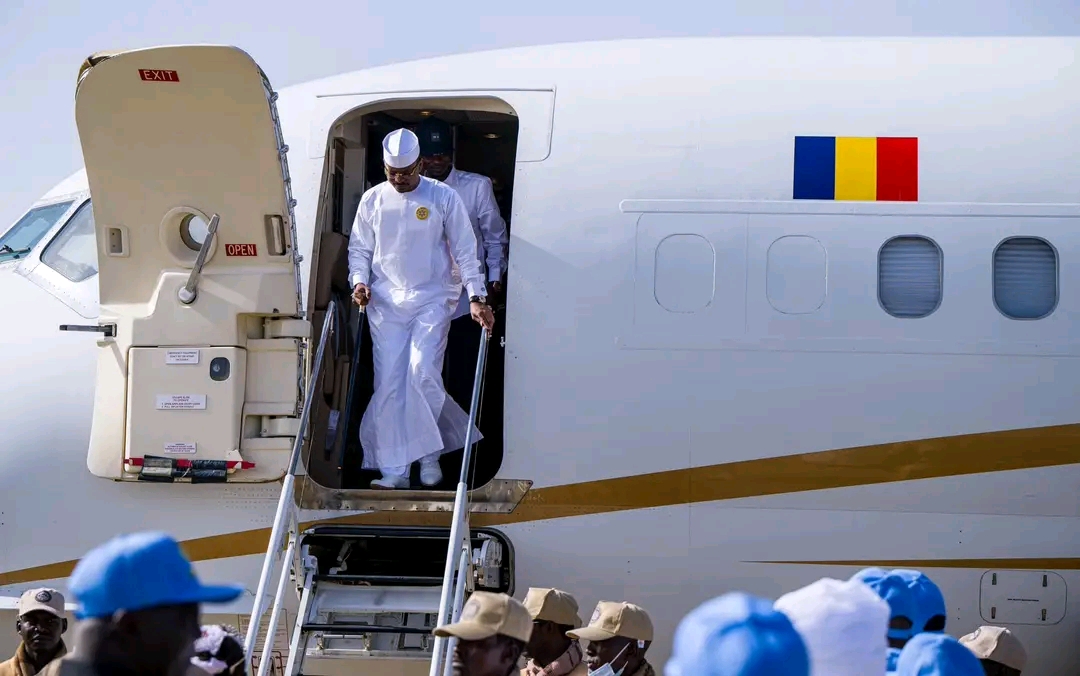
[(108, 329)]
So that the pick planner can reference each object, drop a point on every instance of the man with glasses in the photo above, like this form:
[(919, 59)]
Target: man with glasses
[(405, 232)]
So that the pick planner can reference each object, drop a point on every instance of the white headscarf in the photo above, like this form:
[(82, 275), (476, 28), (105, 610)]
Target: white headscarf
[(213, 635), (843, 625)]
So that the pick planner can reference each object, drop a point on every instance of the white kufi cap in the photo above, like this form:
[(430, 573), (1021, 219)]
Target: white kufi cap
[(401, 149), (843, 625)]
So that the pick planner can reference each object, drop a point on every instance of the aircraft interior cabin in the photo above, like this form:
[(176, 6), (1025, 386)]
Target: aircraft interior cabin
[(485, 142)]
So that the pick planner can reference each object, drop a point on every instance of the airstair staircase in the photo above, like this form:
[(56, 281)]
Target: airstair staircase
[(370, 592)]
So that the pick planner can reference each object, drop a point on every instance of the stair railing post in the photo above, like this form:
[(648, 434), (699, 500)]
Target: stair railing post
[(461, 512), (285, 505)]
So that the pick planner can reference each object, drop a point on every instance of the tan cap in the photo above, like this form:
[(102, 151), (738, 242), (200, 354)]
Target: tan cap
[(552, 605), (485, 615), (45, 600), (997, 644), (612, 619)]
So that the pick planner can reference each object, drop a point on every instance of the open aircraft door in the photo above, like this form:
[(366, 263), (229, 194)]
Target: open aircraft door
[(201, 365)]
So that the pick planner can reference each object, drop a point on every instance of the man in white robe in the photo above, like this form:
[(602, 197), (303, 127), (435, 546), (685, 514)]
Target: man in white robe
[(405, 232), (475, 190)]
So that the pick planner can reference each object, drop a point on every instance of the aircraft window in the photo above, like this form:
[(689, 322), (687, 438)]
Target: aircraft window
[(1025, 278), (909, 277), (28, 231), (73, 252), (193, 230)]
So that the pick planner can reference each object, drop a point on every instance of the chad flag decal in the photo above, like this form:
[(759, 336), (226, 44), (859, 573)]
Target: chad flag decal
[(866, 169)]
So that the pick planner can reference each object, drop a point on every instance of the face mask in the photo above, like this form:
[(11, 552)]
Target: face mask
[(606, 670)]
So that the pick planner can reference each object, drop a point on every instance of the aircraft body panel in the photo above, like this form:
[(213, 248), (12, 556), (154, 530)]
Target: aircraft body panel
[(701, 379)]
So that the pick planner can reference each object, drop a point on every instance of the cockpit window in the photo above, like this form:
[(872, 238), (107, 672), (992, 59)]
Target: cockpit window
[(21, 237), (73, 252)]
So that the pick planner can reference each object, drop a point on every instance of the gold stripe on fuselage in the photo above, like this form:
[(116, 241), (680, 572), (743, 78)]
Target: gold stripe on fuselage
[(860, 466)]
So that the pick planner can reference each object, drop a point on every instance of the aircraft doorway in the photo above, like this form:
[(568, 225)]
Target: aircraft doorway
[(485, 142)]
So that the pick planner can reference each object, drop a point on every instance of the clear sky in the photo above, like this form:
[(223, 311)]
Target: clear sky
[(43, 42)]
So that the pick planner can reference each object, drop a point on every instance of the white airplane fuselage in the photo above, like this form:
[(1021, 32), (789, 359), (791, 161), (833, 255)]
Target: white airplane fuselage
[(702, 380)]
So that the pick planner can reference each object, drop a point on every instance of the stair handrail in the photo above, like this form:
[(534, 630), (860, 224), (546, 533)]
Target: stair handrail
[(286, 506), (449, 602)]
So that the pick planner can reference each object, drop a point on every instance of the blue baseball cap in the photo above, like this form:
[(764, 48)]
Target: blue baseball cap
[(436, 137), (937, 655), (910, 594), (737, 635), (139, 571)]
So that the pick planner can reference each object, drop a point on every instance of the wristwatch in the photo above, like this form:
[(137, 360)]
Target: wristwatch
[(478, 299)]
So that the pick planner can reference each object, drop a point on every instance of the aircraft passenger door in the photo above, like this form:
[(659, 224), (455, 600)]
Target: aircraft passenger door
[(200, 342)]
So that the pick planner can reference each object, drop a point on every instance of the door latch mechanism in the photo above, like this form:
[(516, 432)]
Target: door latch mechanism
[(108, 329), (190, 291)]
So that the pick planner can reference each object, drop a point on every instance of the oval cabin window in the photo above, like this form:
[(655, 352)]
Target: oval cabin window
[(1025, 278), (909, 276)]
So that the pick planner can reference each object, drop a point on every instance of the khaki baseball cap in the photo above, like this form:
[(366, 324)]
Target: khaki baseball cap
[(611, 619), (485, 614), (552, 605), (997, 644), (46, 600)]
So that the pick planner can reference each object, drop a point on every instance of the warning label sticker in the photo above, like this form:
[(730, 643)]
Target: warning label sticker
[(181, 402), (181, 356), (180, 447)]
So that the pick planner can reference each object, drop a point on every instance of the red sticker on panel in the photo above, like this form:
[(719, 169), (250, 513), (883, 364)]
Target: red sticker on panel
[(240, 250), (153, 75)]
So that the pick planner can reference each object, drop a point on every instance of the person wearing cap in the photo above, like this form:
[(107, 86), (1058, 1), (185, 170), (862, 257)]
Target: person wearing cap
[(930, 654), (405, 232), (843, 625), (41, 625), (916, 604), (437, 153), (551, 652), (737, 635), (475, 190), (138, 602), (1001, 653), (619, 634), (492, 632)]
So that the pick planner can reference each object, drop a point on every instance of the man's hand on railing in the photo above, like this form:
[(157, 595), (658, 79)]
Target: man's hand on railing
[(361, 295)]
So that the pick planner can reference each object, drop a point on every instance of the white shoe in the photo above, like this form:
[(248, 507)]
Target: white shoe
[(391, 482), (430, 472)]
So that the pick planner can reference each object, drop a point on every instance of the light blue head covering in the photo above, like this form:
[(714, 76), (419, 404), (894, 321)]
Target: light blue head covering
[(910, 594), (937, 655), (737, 635)]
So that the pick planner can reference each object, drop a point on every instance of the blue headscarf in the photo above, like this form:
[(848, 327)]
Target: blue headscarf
[(937, 655), (909, 594), (737, 635)]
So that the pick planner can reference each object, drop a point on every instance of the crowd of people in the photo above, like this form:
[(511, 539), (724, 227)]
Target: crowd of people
[(138, 606)]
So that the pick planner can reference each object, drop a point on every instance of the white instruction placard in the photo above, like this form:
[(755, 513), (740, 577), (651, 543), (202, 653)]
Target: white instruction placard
[(181, 356), (180, 447), (181, 402)]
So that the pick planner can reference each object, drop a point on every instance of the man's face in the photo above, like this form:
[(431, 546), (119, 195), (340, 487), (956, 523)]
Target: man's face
[(599, 653), (41, 631), (404, 180), (437, 166), (487, 657), (165, 636)]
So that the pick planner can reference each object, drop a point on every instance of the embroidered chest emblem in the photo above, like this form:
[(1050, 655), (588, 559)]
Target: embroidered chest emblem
[(422, 213)]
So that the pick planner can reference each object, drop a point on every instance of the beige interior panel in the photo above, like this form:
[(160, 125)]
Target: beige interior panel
[(175, 408), (169, 134)]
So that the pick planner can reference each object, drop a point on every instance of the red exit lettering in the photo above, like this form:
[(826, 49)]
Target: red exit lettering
[(151, 75), (240, 250)]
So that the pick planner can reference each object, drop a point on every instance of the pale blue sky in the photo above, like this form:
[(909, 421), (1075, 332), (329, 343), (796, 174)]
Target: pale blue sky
[(42, 43)]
